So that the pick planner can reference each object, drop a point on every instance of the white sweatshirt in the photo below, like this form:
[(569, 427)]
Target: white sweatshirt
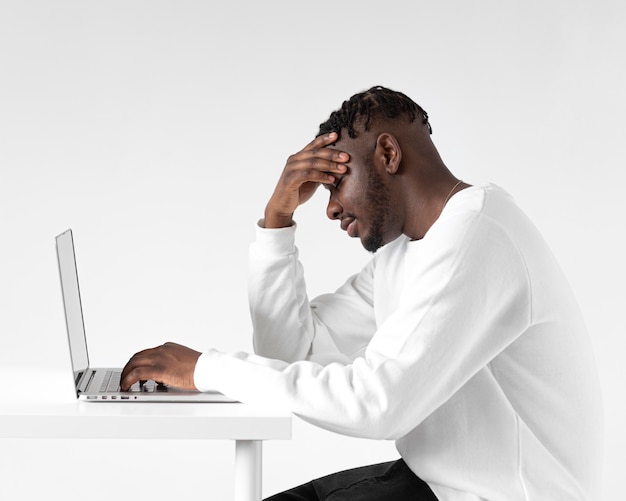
[(466, 347)]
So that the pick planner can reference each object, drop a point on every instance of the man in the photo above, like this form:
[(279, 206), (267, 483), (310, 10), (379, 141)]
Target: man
[(461, 339)]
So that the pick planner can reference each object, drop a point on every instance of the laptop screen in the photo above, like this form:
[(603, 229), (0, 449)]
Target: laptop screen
[(72, 304)]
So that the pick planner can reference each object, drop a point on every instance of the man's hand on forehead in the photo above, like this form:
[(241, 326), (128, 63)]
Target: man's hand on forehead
[(317, 163)]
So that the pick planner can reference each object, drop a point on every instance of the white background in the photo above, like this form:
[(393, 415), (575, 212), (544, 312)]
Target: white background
[(157, 130)]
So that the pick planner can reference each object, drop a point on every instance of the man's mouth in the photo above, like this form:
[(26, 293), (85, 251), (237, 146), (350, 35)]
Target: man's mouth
[(348, 224)]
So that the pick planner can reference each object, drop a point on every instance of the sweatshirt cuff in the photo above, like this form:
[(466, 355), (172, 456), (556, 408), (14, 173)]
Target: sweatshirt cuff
[(276, 241), (202, 377)]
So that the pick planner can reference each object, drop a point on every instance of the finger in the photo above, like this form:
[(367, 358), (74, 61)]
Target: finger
[(320, 146), (139, 374), (328, 161), (332, 164), (312, 176), (322, 141), (329, 168), (136, 367), (330, 155)]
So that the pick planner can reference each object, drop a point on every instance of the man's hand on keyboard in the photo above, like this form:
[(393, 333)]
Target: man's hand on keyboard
[(171, 364)]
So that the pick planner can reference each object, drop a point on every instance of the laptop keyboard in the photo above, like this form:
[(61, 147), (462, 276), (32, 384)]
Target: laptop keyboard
[(111, 384)]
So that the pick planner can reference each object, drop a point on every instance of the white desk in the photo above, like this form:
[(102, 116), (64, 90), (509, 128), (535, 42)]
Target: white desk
[(247, 425)]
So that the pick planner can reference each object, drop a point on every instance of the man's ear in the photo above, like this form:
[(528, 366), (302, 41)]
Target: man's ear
[(388, 152)]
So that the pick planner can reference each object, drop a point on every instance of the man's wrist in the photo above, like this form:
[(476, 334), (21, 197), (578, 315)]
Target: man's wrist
[(273, 221)]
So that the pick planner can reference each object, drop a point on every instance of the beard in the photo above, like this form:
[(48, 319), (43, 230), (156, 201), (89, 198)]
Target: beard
[(377, 212)]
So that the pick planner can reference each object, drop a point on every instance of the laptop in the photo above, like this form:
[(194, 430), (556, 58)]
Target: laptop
[(102, 385)]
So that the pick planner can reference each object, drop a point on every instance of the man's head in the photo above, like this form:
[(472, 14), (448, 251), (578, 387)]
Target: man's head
[(387, 136)]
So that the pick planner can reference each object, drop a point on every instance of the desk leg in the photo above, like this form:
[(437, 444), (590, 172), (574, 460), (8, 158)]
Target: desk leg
[(248, 470)]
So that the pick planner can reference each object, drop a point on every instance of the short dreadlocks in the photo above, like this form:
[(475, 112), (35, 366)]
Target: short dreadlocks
[(367, 105)]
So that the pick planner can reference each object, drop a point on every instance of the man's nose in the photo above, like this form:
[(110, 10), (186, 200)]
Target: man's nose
[(334, 208)]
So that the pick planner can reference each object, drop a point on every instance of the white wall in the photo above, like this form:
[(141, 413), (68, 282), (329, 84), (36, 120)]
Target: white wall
[(156, 130)]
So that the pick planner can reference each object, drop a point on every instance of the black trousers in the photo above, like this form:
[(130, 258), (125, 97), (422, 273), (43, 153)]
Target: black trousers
[(392, 481)]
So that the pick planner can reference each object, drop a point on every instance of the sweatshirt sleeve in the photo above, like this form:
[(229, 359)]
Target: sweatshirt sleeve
[(286, 326), (466, 299)]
